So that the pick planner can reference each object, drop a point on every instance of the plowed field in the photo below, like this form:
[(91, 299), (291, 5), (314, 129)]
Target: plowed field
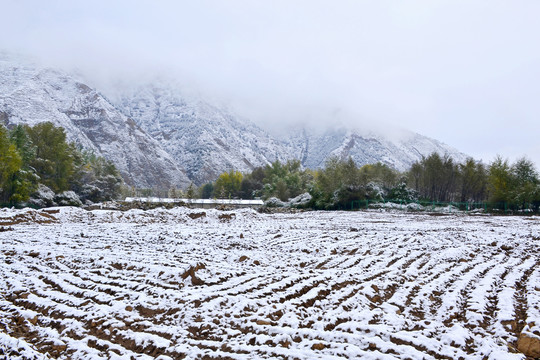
[(175, 284)]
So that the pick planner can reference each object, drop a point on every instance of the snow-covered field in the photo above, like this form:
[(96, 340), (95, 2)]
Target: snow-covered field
[(181, 283)]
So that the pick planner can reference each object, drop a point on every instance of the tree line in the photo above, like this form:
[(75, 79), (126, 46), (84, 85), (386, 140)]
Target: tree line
[(500, 183), (39, 167), (278, 180), (434, 178)]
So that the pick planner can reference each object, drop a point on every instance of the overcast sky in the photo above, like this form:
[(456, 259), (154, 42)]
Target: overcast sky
[(464, 72)]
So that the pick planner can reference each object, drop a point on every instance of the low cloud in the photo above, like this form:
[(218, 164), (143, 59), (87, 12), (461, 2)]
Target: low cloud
[(463, 72)]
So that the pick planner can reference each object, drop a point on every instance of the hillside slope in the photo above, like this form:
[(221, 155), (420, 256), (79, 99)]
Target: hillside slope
[(205, 139), (208, 140), (30, 94), (398, 152)]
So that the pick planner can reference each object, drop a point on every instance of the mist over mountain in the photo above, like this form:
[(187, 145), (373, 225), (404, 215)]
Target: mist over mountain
[(30, 94), (205, 139), (161, 137), (465, 73), (398, 152)]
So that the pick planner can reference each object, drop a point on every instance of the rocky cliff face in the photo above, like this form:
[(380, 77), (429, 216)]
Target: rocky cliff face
[(205, 139), (30, 94)]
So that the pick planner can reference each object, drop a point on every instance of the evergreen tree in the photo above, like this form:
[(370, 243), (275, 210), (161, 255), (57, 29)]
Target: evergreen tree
[(19, 137), (207, 191), (253, 183), (95, 178), (24, 181)]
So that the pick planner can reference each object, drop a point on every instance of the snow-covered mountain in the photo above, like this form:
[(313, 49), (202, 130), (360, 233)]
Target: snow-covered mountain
[(158, 137), (205, 139), (208, 140), (31, 94), (398, 151)]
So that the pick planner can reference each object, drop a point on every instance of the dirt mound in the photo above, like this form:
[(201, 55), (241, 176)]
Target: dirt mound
[(29, 216), (191, 273), (197, 215), (226, 217)]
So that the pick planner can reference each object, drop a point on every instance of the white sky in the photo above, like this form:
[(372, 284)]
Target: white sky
[(464, 72)]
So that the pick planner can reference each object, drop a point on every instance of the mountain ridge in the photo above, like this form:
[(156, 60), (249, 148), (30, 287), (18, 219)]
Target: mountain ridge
[(205, 139), (31, 94), (160, 138)]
